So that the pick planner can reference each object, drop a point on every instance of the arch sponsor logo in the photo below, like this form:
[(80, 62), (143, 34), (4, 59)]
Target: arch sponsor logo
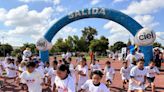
[(144, 37)]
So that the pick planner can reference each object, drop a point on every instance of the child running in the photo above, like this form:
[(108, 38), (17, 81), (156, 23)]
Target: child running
[(63, 82), (94, 84), (82, 70), (124, 71), (94, 66), (32, 78), (72, 69), (137, 77), (51, 75), (11, 72), (152, 70), (109, 73)]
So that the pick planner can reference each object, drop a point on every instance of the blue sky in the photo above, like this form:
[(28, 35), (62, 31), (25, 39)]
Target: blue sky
[(24, 21)]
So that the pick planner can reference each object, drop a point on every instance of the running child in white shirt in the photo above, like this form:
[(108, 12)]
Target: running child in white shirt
[(109, 73), (125, 71), (32, 78), (152, 70), (137, 77), (82, 70), (94, 84), (11, 72), (94, 66), (72, 69), (47, 67), (51, 75), (63, 82)]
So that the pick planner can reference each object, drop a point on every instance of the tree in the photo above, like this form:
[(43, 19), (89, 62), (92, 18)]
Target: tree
[(5, 49), (61, 46), (99, 45), (157, 44), (117, 46), (88, 33), (15, 52)]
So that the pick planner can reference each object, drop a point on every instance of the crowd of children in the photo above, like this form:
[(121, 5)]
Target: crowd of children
[(32, 75)]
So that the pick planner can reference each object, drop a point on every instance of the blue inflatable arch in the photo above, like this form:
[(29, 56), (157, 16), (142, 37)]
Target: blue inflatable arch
[(130, 24)]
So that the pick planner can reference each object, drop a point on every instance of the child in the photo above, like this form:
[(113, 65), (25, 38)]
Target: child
[(31, 78), (22, 66), (94, 66), (47, 67), (64, 82), (137, 77), (152, 70), (109, 73), (72, 69), (82, 70), (124, 71), (60, 62), (94, 84), (11, 72), (51, 75)]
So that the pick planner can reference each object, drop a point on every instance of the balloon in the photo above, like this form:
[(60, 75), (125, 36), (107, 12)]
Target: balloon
[(144, 37), (43, 45), (27, 53)]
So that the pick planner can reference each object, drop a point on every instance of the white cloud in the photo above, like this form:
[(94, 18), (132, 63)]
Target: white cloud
[(26, 17), (26, 24), (146, 20), (94, 2), (114, 27), (60, 9), (118, 1), (120, 36), (27, 1), (144, 6), (160, 37), (55, 2), (119, 33)]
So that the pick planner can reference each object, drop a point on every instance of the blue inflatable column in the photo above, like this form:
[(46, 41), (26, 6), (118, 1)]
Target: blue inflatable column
[(44, 55), (148, 53)]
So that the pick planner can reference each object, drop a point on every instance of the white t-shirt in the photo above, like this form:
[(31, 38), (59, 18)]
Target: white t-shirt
[(40, 70), (131, 57), (22, 68), (1, 67), (63, 55), (109, 72), (137, 74), (68, 55), (78, 59), (92, 88), (47, 69), (66, 85), (72, 70), (95, 67), (125, 73), (152, 72), (139, 55), (83, 79), (10, 73), (33, 80), (52, 75)]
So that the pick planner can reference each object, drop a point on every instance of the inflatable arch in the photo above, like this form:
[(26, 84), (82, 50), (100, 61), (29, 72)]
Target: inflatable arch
[(130, 24)]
